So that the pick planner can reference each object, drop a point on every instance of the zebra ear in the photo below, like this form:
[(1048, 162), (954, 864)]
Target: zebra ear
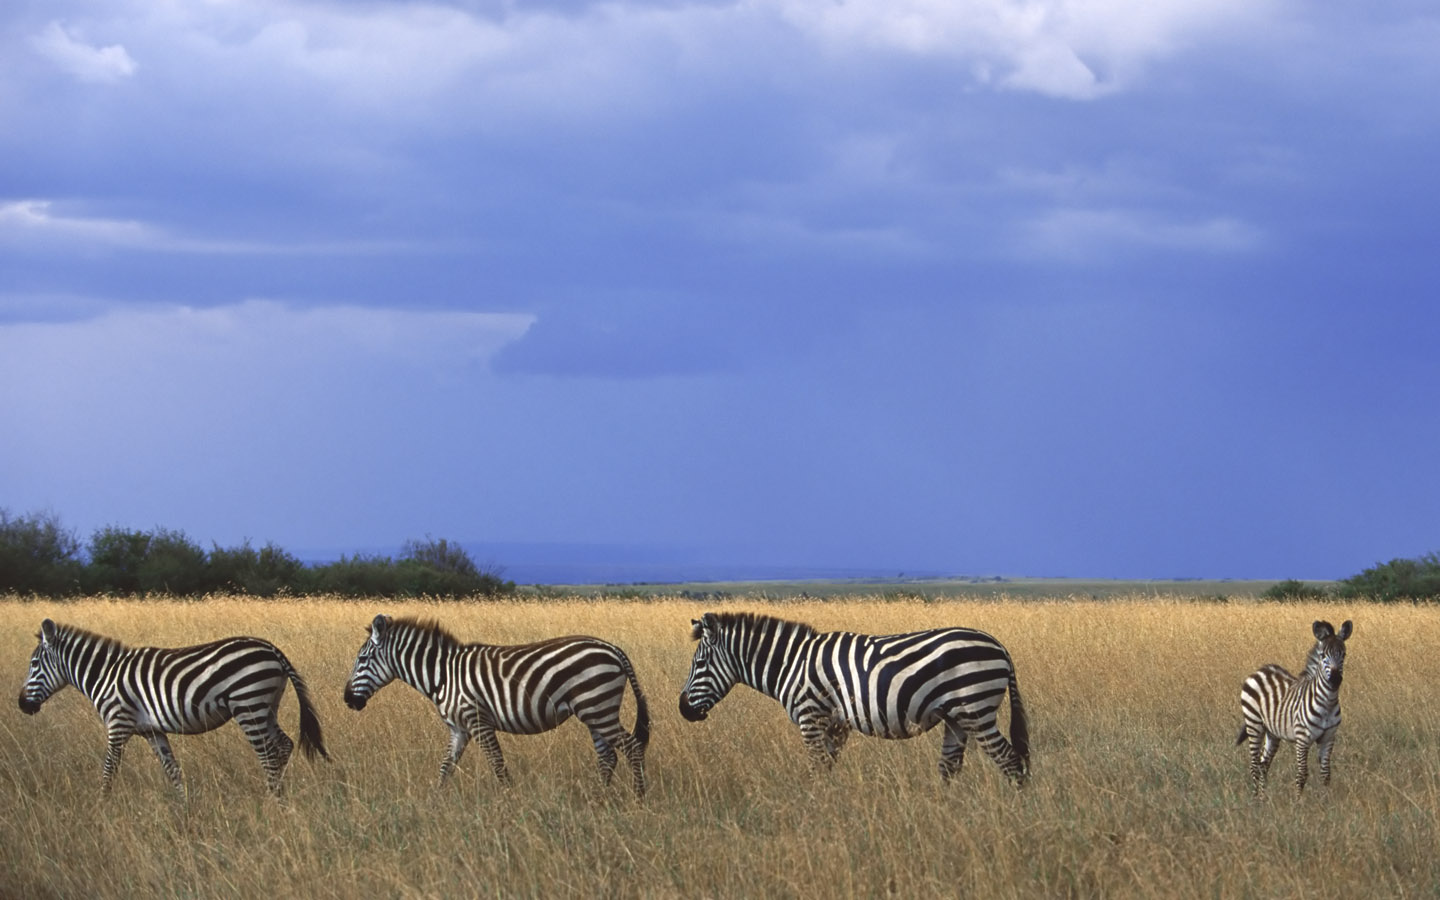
[(1322, 629), (696, 629), (378, 625), (1345, 630), (47, 631)]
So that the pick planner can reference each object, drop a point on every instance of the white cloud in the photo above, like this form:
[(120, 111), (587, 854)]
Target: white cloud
[(39, 224), (1086, 234), (36, 221), (255, 334), (99, 65), (1076, 49)]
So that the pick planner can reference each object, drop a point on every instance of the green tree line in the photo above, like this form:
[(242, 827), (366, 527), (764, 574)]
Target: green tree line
[(39, 556), (1398, 580)]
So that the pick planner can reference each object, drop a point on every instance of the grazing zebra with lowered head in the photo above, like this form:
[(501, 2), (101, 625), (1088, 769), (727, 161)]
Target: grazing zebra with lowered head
[(155, 691), (1278, 706), (890, 686), (480, 689)]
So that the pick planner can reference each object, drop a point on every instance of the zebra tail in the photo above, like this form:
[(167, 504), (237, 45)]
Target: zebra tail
[(1244, 733), (311, 740), (1019, 723), (642, 710)]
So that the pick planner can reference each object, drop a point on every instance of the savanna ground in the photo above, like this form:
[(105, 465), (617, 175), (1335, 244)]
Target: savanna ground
[(1137, 787)]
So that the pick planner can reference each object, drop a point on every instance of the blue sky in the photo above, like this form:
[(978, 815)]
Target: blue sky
[(1102, 288)]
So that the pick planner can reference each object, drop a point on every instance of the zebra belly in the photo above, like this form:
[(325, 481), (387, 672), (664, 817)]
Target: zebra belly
[(197, 721), (531, 722)]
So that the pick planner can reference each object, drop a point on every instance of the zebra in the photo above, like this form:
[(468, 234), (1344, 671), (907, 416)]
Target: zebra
[(481, 689), (1279, 706), (889, 686), (155, 691)]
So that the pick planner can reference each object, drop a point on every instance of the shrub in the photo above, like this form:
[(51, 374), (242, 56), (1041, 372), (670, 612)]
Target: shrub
[(37, 555), (124, 562), (173, 564), (429, 568), (1399, 579), (440, 555), (358, 576), (1293, 590), (261, 573), (115, 558), (439, 568)]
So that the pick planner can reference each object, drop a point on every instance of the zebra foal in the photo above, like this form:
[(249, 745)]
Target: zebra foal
[(481, 689), (889, 686), (155, 691), (1278, 706)]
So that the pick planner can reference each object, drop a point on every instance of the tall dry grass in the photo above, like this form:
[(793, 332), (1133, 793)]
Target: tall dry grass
[(1138, 789)]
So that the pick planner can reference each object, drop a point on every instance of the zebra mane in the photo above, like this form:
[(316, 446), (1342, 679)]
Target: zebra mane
[(744, 619), (429, 627), (66, 634)]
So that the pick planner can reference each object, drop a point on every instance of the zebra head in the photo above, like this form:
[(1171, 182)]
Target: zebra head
[(47, 670), (713, 672), (1329, 653), (373, 666)]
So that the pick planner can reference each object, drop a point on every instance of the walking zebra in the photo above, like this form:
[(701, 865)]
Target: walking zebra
[(890, 686), (1279, 706), (479, 689), (154, 691)]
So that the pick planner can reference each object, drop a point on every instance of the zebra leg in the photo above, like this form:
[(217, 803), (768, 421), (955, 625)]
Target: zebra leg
[(605, 744), (484, 735), (999, 750), (1262, 750), (606, 754), (1325, 762), (952, 751), (836, 735), (635, 753), (815, 731), (459, 737), (116, 738), (1270, 746), (161, 745), (1302, 762), (272, 745)]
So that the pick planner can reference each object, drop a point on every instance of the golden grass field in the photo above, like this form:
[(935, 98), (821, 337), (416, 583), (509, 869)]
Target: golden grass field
[(1137, 787)]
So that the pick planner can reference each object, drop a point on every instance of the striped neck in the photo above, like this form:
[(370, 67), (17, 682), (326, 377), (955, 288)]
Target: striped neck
[(86, 658), (420, 655), (768, 651)]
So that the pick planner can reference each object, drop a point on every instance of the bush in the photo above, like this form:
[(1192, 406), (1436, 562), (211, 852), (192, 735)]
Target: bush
[(125, 563), (261, 573), (37, 556), (1399, 579), (115, 558), (173, 564), (438, 568), (1293, 590), (440, 555), (429, 569), (357, 576)]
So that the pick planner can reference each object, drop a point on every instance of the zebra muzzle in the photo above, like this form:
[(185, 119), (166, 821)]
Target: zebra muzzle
[(692, 713), (29, 707), (355, 701)]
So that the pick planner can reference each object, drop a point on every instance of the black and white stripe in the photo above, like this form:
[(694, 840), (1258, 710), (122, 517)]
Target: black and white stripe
[(1278, 706), (154, 691), (481, 689), (890, 686)]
